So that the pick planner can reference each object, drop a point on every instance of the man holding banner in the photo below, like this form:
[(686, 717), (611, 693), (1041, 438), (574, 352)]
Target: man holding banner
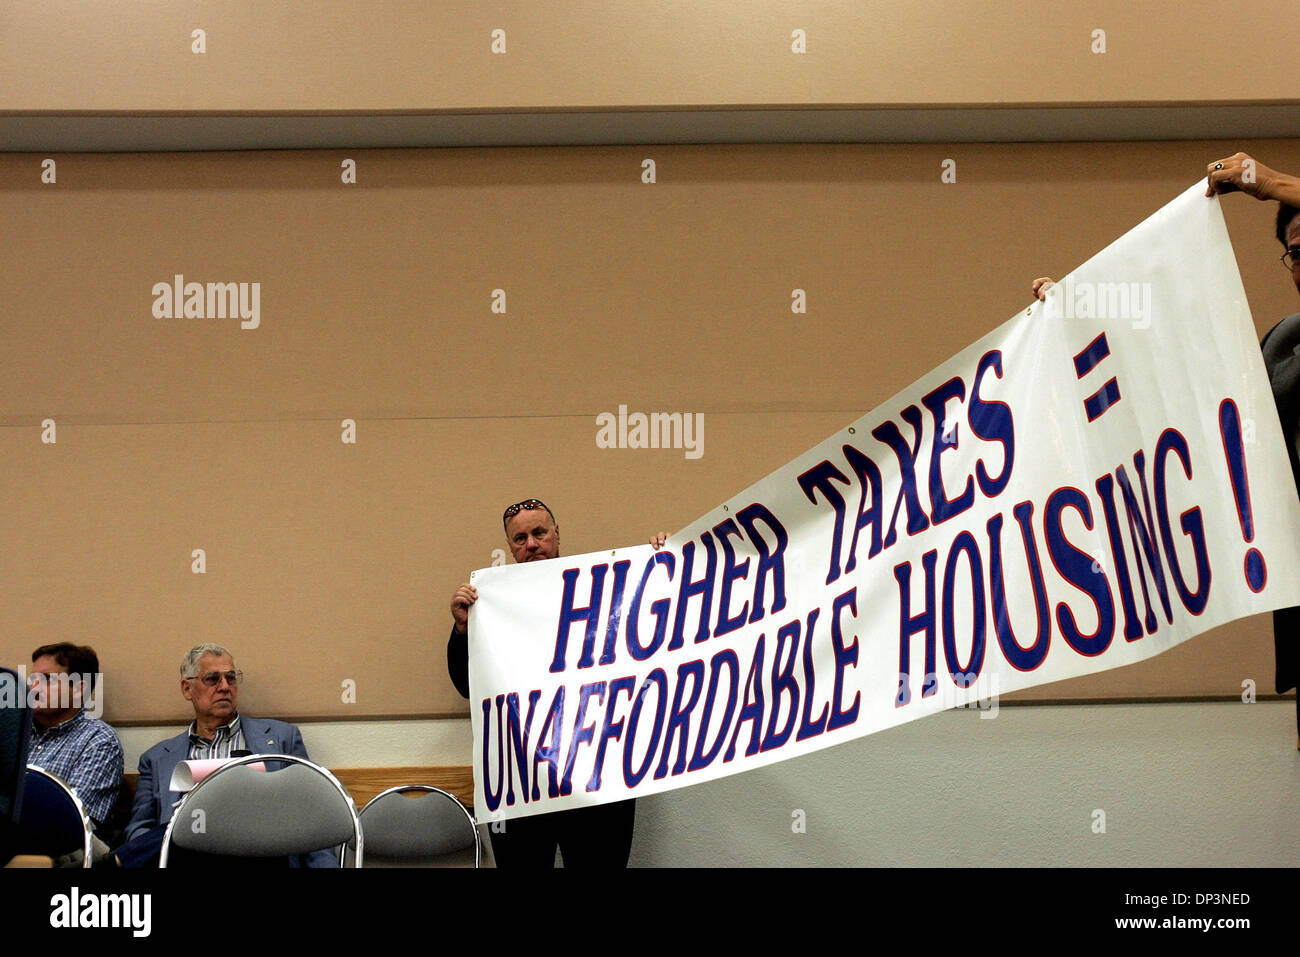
[(594, 837)]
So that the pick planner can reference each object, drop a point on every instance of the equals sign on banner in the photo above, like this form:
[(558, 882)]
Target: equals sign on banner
[(1084, 362)]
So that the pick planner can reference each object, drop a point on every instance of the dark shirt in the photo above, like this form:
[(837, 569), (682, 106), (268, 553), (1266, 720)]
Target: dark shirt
[(458, 661)]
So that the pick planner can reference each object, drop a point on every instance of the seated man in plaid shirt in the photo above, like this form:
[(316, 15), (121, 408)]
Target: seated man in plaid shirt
[(66, 741)]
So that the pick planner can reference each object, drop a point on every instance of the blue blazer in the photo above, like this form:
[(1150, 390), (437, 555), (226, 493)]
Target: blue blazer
[(154, 801)]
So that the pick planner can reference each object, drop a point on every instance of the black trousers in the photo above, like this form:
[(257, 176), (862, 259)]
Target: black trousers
[(591, 838)]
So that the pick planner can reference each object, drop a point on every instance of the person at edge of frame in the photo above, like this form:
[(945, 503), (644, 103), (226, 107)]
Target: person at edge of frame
[(1240, 173)]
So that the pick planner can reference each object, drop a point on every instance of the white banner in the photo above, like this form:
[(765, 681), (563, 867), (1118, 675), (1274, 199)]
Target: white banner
[(1093, 482)]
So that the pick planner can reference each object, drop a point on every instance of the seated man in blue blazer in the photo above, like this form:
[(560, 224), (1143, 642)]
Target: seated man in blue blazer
[(210, 682)]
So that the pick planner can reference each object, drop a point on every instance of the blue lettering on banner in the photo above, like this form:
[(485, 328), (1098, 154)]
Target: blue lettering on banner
[(992, 422), (868, 476), (580, 733), (910, 624), (610, 730), (1020, 658), (964, 676), (1193, 526), (770, 561), (1142, 529), (681, 716), (571, 615), (945, 439), (809, 728), (703, 758), (818, 479), (1080, 570), (517, 739), (550, 752), (689, 589), (888, 433), (846, 656), (732, 571), (660, 681), (658, 608), (751, 706), (784, 684)]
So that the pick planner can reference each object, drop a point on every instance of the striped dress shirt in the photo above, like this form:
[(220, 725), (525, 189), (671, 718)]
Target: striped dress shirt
[(226, 740)]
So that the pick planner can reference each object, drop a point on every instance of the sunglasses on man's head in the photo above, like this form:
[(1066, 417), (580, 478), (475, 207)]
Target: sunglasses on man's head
[(527, 504)]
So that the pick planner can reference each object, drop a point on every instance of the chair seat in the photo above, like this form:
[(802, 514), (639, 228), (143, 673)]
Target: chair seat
[(53, 821), (419, 825), (241, 812)]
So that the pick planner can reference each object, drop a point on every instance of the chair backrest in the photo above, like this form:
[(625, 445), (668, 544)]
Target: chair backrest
[(15, 739), (418, 824), (54, 822), (243, 812)]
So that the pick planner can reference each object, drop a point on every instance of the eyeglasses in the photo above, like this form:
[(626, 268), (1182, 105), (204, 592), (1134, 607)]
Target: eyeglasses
[(526, 505), (1291, 258), (213, 678)]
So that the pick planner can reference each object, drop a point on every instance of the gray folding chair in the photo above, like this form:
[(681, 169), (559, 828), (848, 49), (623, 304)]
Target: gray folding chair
[(417, 825), (53, 822), (243, 812)]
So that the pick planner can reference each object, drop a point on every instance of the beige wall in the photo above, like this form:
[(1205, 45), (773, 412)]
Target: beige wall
[(329, 562), (416, 55)]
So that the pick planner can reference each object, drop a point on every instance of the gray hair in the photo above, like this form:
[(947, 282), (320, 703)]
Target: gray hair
[(191, 662)]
